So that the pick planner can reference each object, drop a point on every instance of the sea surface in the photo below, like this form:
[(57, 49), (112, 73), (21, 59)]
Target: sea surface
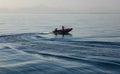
[(27, 45)]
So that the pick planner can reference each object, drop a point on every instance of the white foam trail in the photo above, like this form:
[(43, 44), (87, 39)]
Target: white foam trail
[(21, 63), (11, 53)]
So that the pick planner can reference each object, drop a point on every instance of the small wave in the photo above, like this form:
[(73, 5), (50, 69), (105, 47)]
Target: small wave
[(33, 53)]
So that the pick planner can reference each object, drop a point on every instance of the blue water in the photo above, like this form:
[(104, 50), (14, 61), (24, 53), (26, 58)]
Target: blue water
[(93, 47)]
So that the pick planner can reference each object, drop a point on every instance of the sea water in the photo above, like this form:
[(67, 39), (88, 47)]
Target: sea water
[(28, 47)]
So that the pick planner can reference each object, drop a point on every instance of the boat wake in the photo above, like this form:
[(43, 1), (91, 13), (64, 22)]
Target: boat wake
[(31, 53)]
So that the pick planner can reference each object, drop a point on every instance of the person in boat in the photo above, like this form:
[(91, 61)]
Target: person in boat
[(63, 28), (59, 31), (55, 30)]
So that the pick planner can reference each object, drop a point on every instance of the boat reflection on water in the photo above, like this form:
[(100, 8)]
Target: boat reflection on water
[(57, 35)]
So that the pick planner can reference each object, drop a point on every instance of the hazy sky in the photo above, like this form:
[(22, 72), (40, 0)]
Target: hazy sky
[(59, 5)]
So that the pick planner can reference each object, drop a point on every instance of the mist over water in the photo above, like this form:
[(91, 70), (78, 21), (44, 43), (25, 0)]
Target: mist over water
[(93, 47)]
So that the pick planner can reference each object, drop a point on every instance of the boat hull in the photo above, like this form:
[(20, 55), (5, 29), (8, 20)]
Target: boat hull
[(65, 31)]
